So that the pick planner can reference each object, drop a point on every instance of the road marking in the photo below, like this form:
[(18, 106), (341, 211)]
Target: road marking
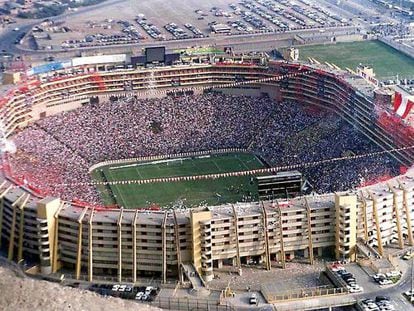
[(403, 282)]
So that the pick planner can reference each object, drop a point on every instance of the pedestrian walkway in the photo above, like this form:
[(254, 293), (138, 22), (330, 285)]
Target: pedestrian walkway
[(192, 276), (367, 250)]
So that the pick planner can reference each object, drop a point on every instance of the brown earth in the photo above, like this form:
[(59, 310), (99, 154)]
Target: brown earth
[(18, 293)]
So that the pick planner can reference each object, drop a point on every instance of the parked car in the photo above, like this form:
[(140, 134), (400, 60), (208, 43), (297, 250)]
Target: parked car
[(355, 289), (382, 298), (393, 274), (336, 267), (148, 290), (408, 255), (139, 295), (378, 277), (253, 299), (385, 282)]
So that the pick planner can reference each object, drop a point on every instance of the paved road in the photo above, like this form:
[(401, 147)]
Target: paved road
[(8, 36), (241, 43), (393, 291), (371, 290)]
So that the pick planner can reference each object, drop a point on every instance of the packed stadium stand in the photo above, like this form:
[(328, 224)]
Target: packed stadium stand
[(87, 240)]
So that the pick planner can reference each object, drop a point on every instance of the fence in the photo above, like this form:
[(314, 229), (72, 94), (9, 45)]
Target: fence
[(113, 280), (173, 303), (273, 296), (167, 156), (168, 303), (272, 293)]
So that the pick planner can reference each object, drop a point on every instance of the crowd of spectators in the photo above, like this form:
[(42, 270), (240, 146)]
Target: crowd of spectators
[(58, 150), (391, 30)]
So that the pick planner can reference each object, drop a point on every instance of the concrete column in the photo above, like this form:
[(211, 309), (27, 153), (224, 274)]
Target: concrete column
[(79, 252), (407, 214), (282, 254), (309, 216), (178, 247), (134, 247), (2, 194), (21, 228), (220, 263), (320, 251), (90, 245), (364, 208), (46, 210), (1, 216), (377, 224), (236, 227), (119, 224), (10, 253), (55, 265), (266, 255), (164, 249)]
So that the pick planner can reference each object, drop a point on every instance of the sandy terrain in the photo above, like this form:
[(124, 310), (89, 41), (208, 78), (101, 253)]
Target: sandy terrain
[(20, 294)]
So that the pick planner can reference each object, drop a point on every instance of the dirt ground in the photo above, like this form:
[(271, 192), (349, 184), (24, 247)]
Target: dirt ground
[(21, 294), (295, 276)]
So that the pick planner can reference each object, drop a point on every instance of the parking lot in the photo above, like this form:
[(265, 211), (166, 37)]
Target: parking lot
[(127, 23), (124, 291)]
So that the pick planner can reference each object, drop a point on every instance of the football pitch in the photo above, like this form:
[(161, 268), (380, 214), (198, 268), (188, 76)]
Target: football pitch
[(386, 61), (187, 193)]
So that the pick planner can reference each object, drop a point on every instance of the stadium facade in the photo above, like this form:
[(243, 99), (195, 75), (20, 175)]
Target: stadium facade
[(87, 242)]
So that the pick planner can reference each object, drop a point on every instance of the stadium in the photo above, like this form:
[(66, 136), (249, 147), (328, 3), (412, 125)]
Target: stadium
[(87, 192)]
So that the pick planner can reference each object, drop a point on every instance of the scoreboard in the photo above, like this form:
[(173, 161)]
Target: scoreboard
[(281, 185)]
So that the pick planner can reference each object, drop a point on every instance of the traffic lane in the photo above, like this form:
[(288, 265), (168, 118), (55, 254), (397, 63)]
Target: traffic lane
[(401, 303)]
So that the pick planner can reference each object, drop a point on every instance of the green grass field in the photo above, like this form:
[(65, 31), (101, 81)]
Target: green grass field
[(386, 61), (191, 193)]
